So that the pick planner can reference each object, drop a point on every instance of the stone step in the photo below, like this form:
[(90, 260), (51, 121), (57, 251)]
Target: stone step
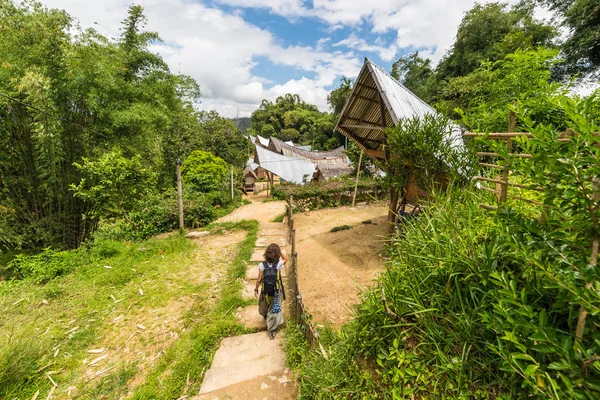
[(248, 291), (242, 358), (251, 319), (264, 241), (276, 386)]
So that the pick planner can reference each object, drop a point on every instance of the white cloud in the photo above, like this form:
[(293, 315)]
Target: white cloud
[(387, 53), (288, 8), (219, 51)]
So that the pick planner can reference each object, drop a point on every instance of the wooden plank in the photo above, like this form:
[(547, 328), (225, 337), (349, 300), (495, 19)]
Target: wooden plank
[(375, 153), (377, 128), (386, 150), (488, 154), (501, 182), (490, 165)]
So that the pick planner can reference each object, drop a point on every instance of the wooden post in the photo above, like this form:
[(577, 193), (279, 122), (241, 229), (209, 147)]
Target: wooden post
[(512, 122), (232, 182), (268, 180), (357, 174), (179, 194)]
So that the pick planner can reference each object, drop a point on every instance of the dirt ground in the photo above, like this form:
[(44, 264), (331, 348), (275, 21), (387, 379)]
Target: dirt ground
[(262, 212), (334, 266)]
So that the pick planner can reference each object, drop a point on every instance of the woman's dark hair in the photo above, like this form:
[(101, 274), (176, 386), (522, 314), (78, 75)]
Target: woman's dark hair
[(273, 253)]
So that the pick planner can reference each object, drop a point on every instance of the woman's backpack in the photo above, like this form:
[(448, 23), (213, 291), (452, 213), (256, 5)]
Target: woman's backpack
[(270, 279)]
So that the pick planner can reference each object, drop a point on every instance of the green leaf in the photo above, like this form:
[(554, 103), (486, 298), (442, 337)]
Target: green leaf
[(530, 370)]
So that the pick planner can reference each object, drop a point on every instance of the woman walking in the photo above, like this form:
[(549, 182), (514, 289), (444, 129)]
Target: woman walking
[(269, 280)]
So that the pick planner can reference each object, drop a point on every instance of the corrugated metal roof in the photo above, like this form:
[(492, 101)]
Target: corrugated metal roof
[(364, 117), (262, 141), (328, 171), (291, 169), (307, 148)]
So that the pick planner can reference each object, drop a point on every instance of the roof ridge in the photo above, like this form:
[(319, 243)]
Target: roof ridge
[(396, 81)]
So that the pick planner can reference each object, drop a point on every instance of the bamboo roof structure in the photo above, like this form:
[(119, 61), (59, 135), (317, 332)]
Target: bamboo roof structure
[(328, 171), (377, 102)]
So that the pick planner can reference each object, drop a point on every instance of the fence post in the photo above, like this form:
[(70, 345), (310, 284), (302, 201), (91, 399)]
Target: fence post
[(179, 194), (298, 309), (512, 122)]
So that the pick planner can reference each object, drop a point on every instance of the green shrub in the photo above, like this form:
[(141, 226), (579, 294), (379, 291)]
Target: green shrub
[(42, 267), (203, 172), (161, 214), (332, 193)]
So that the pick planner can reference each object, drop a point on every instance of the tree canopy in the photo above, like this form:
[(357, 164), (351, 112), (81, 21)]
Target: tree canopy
[(290, 118), (68, 100)]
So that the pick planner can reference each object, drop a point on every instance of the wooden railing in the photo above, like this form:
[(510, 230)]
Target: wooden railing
[(300, 315)]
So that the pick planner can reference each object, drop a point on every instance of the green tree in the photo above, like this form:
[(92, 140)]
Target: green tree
[(485, 97), (337, 97), (582, 47), (113, 185), (66, 97), (417, 75), (490, 32), (290, 118), (204, 172)]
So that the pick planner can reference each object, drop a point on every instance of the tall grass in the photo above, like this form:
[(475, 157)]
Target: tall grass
[(419, 331)]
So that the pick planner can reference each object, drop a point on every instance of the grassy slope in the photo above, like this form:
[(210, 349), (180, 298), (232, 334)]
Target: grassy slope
[(37, 319), (182, 369)]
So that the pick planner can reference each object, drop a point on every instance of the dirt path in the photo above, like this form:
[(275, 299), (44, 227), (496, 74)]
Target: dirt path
[(263, 212), (333, 266), (251, 366)]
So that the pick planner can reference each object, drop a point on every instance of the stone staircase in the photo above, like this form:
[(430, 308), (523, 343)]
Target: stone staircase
[(252, 367)]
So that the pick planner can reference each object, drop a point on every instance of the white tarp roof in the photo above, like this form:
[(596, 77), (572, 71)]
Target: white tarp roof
[(291, 169)]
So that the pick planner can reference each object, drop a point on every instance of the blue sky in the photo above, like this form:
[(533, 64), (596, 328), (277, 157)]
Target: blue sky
[(243, 51)]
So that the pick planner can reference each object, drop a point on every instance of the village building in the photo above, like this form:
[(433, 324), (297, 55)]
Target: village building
[(325, 172), (377, 102)]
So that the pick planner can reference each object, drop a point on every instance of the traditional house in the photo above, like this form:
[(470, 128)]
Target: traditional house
[(293, 170), (324, 172), (378, 102)]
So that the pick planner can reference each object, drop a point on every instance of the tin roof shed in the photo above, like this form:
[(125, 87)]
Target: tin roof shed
[(377, 102)]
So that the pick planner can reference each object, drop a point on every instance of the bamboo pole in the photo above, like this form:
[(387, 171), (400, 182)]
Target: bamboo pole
[(179, 194), (232, 182), (357, 175), (583, 312)]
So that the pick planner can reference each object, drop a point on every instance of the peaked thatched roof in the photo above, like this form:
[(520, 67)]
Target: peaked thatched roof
[(328, 171), (377, 101)]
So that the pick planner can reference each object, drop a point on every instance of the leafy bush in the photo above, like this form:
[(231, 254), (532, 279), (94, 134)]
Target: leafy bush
[(161, 214), (332, 193), (41, 267), (203, 171)]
